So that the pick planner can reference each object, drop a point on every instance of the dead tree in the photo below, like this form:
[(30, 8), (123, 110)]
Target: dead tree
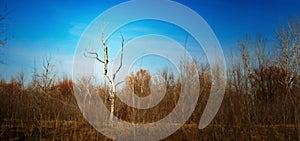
[(111, 80), (3, 25), (288, 46), (3, 30), (47, 76)]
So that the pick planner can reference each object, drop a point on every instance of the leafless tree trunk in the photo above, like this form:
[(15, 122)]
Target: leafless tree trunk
[(46, 79), (111, 80), (288, 47), (246, 63), (21, 79)]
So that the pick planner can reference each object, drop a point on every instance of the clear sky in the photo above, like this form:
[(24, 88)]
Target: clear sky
[(53, 28)]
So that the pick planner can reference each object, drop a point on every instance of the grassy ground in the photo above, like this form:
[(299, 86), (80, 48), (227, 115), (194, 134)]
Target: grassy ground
[(81, 130)]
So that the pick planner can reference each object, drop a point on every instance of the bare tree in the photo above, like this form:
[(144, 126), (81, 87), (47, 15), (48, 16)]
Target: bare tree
[(3, 26), (111, 79), (140, 83), (244, 47), (3, 29), (46, 78), (21, 79), (288, 48)]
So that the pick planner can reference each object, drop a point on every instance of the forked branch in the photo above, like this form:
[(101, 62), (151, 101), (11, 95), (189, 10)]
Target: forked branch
[(95, 55)]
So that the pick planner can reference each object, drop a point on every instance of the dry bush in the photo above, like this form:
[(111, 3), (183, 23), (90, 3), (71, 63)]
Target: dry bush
[(266, 83), (140, 83)]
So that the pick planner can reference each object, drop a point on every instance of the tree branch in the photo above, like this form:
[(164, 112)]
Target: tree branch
[(119, 83), (121, 60), (96, 56)]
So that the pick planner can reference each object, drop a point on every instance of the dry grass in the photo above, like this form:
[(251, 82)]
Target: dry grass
[(80, 130)]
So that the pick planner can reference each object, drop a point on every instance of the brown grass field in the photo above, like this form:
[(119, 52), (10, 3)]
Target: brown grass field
[(80, 130)]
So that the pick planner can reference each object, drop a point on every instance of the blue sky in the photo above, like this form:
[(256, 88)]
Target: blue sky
[(53, 28)]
